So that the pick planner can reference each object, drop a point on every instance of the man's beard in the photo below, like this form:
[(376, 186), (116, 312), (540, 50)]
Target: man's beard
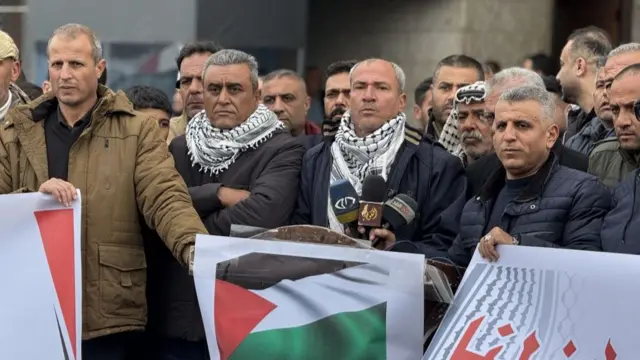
[(336, 114)]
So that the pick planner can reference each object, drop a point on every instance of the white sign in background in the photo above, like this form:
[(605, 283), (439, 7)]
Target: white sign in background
[(40, 277)]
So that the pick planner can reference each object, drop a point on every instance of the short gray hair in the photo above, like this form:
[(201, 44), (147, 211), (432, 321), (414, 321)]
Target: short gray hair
[(513, 77), (233, 57), (624, 48), (72, 31), (533, 93), (400, 76)]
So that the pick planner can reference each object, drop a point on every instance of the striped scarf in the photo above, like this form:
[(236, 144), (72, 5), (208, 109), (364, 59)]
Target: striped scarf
[(216, 149)]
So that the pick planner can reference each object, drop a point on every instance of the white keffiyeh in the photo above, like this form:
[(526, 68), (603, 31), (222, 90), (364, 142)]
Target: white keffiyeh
[(354, 158), (216, 149)]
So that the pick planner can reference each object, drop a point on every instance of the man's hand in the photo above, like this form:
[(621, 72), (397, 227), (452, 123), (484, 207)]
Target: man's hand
[(487, 245), (229, 197), (385, 238), (63, 191)]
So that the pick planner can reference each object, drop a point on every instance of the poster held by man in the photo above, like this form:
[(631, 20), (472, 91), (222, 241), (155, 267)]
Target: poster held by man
[(40, 273), (366, 304)]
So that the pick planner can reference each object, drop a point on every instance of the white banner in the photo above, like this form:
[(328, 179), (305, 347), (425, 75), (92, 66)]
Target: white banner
[(276, 300), (40, 273), (546, 304)]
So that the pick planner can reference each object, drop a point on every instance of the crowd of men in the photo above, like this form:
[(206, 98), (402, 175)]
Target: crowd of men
[(501, 157)]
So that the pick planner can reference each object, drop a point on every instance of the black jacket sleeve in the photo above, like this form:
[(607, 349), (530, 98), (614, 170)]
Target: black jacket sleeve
[(590, 205), (440, 213), (272, 198), (302, 213)]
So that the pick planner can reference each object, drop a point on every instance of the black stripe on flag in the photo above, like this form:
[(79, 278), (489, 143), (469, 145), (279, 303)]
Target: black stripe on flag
[(257, 271), (64, 346)]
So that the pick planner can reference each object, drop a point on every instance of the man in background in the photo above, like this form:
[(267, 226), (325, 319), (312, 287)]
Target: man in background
[(337, 93), (577, 76), (190, 64), (153, 102), (284, 92), (422, 97), (10, 94), (614, 158), (451, 73)]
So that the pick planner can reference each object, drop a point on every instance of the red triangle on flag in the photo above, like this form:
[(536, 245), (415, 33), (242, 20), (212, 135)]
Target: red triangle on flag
[(56, 230), (237, 312)]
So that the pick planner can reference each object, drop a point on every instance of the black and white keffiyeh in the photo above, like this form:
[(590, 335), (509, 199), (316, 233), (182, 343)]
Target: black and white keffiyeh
[(449, 137), (354, 158), (216, 149)]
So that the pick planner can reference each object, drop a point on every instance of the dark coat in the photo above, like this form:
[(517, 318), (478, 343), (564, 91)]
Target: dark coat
[(271, 173), (621, 227), (422, 169), (561, 207), (480, 170)]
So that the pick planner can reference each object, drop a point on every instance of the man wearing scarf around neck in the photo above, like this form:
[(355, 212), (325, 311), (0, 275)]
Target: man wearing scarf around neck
[(242, 167), (374, 138)]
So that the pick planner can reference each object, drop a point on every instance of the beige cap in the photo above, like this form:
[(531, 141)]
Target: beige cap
[(8, 48)]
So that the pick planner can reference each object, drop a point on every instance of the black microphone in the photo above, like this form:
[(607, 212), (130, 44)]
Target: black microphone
[(371, 201), (345, 203), (397, 212)]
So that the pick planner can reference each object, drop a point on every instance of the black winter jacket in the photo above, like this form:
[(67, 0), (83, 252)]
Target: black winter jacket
[(424, 170), (561, 207), (271, 173)]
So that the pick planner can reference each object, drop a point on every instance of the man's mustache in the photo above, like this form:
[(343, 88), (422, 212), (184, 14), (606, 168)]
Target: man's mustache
[(473, 134)]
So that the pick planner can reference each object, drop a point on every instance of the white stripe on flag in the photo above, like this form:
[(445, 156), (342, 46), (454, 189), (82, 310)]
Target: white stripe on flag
[(306, 300)]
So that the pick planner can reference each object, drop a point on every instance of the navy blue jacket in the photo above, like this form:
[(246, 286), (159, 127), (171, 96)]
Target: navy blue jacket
[(561, 207), (423, 170), (621, 227)]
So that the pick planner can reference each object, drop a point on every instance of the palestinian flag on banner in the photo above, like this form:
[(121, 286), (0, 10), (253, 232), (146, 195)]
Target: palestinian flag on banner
[(40, 273), (336, 311)]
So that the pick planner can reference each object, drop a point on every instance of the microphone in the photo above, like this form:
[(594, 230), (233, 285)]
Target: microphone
[(397, 212), (345, 203), (373, 192)]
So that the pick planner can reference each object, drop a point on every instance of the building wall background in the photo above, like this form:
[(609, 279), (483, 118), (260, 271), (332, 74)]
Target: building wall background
[(416, 34)]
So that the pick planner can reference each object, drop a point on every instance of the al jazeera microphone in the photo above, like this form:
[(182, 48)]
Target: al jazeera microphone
[(371, 202)]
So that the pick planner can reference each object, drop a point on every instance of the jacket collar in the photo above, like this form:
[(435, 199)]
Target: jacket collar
[(496, 182), (108, 103)]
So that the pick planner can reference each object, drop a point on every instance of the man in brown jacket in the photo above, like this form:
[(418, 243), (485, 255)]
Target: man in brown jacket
[(84, 136)]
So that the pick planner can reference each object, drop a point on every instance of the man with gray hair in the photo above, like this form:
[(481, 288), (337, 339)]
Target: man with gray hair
[(83, 136), (530, 200), (612, 160), (374, 139), (508, 79), (241, 166)]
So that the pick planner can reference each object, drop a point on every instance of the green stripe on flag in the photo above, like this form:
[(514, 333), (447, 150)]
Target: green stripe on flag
[(358, 335)]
